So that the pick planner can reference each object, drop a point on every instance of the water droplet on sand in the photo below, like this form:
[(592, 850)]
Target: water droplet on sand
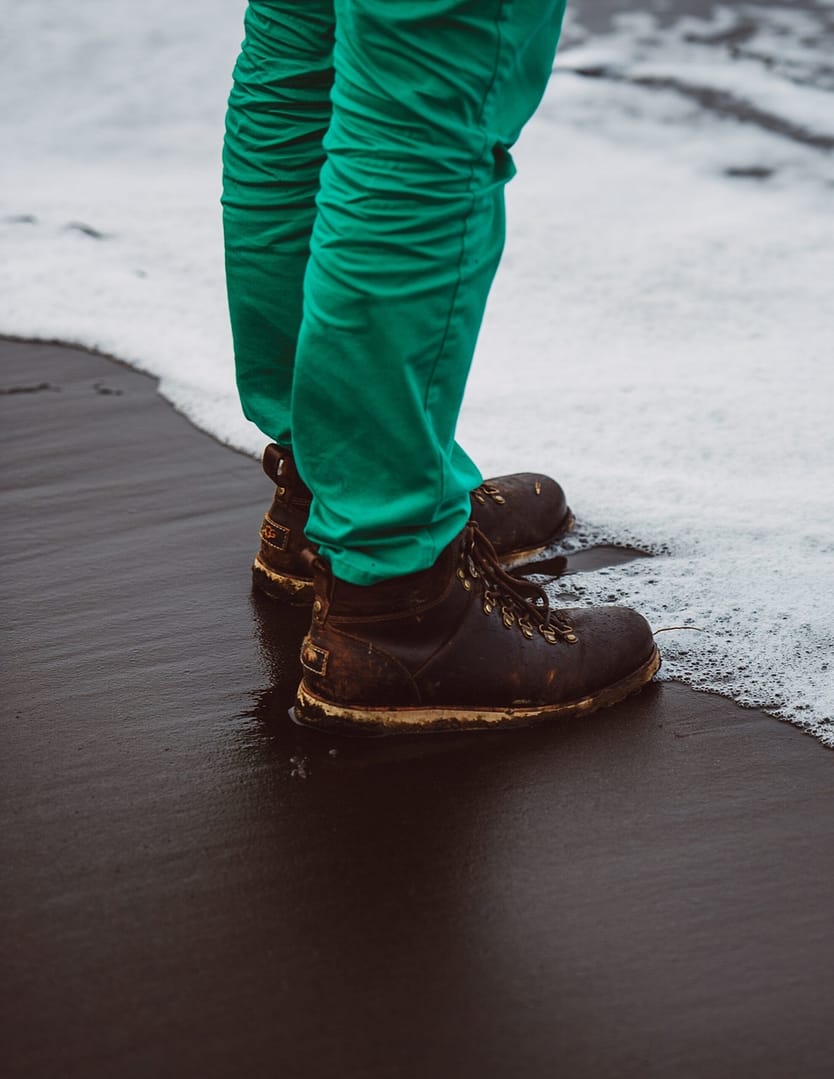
[(299, 767)]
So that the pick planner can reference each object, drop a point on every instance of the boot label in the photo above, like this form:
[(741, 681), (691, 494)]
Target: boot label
[(275, 535), (314, 658)]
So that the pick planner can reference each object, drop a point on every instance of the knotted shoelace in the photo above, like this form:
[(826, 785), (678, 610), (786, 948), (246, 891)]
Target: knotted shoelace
[(520, 603)]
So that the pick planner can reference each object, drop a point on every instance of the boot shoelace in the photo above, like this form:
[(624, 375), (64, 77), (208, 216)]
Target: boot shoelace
[(521, 603)]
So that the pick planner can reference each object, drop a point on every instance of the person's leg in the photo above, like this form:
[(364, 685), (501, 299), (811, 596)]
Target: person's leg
[(279, 110), (428, 97)]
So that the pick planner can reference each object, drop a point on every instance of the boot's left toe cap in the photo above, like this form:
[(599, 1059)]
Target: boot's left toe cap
[(614, 644), (532, 512)]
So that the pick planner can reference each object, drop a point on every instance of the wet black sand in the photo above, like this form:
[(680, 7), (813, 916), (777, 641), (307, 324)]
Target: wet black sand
[(194, 886)]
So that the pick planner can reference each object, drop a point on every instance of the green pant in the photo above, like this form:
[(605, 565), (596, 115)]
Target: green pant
[(366, 152)]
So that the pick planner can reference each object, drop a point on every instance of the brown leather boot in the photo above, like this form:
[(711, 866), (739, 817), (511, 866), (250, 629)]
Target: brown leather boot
[(462, 645), (279, 569), (520, 514)]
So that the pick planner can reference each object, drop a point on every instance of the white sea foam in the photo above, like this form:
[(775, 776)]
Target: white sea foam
[(659, 335)]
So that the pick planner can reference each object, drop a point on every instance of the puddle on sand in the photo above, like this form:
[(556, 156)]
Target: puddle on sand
[(583, 561)]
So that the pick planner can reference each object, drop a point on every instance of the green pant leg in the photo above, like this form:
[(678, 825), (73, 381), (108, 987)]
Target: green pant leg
[(279, 110), (428, 97)]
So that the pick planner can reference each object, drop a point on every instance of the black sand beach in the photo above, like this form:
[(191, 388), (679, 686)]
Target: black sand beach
[(195, 886)]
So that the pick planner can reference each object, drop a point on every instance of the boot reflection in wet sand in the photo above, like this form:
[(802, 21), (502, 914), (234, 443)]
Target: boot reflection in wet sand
[(280, 629), (366, 153)]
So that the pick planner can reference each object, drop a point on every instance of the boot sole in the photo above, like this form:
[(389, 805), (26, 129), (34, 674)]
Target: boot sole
[(298, 591), (315, 711)]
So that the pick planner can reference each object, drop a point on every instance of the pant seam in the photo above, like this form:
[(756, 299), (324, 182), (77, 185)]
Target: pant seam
[(465, 231)]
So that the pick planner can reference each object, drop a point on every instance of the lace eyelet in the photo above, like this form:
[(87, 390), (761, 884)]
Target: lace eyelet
[(488, 490), (548, 634), (522, 603)]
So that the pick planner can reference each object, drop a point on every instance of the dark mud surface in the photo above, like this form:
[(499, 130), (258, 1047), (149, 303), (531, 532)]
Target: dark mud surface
[(194, 886)]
